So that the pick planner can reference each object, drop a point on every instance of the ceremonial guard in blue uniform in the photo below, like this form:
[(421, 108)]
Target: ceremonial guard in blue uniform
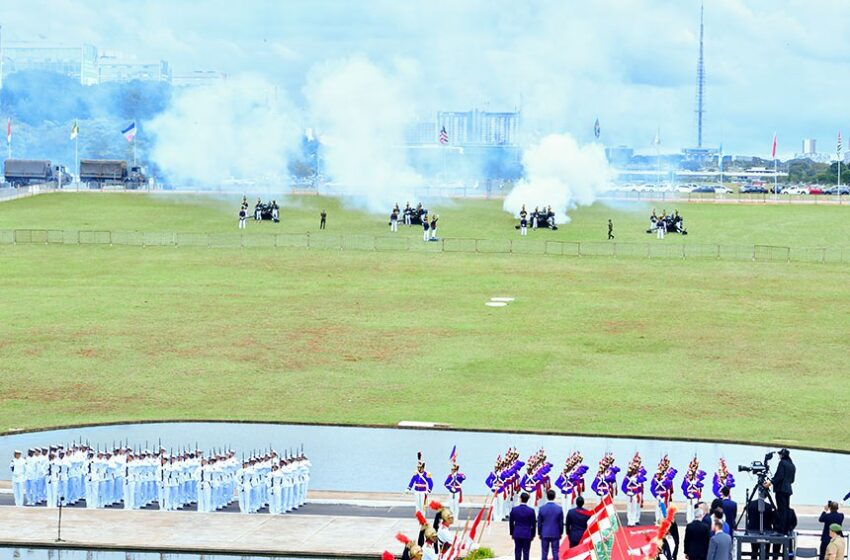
[(692, 486), (453, 484), (662, 487), (633, 488), (571, 480), (605, 481), (420, 484), (722, 477)]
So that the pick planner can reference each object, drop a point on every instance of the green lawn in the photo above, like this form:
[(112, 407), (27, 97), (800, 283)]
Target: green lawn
[(750, 351), (795, 226)]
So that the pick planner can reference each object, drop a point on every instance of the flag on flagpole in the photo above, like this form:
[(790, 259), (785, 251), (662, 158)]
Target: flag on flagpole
[(839, 145), (130, 132), (74, 130), (773, 151), (9, 131), (596, 130), (453, 454), (444, 136), (657, 140)]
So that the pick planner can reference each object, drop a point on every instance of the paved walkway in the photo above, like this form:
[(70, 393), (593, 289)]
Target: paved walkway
[(208, 532), (331, 524)]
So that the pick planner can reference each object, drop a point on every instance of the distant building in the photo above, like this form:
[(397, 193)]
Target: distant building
[(197, 78), (79, 63), (809, 146), (421, 133), (700, 155), (117, 67), (480, 128), (619, 155)]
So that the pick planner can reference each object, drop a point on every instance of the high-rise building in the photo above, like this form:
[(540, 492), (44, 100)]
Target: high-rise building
[(480, 127), (809, 146), (120, 69), (76, 62)]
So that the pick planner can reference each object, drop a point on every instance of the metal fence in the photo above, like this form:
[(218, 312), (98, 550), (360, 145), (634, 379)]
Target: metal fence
[(649, 250)]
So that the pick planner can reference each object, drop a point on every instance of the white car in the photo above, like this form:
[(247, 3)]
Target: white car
[(684, 188), (796, 190), (723, 190)]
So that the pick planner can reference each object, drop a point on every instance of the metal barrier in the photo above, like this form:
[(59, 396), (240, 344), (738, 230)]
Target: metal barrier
[(580, 249)]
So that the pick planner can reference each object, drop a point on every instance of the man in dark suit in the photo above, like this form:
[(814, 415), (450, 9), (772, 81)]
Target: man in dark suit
[(829, 516), (522, 523), (782, 481), (550, 526), (697, 536), (577, 522), (730, 507), (720, 545)]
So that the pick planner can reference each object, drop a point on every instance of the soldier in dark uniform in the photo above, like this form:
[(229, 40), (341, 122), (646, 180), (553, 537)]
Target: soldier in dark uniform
[(523, 221), (243, 217), (408, 214), (323, 216), (434, 219), (425, 227), (610, 229), (394, 219), (275, 212)]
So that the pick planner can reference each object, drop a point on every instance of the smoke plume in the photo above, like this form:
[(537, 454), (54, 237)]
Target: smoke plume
[(361, 112), (243, 128), (561, 173)]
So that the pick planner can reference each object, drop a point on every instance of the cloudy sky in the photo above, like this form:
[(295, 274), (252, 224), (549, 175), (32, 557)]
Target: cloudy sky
[(776, 65)]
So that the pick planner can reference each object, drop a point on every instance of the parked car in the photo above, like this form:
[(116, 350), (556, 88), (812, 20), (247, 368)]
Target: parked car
[(796, 190), (815, 190), (723, 190), (703, 189), (750, 189), (844, 190)]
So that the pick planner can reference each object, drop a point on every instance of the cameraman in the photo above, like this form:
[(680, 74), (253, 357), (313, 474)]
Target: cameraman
[(829, 516), (782, 481)]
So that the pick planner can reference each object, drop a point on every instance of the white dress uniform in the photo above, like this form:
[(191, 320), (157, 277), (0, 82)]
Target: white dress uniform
[(31, 480), (19, 478)]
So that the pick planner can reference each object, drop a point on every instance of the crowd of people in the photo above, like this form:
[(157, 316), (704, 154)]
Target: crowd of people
[(135, 479), (262, 211), (665, 223), (544, 218), (417, 216)]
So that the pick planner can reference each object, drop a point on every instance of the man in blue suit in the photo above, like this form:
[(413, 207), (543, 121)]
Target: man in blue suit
[(730, 507), (577, 519), (522, 524), (550, 525)]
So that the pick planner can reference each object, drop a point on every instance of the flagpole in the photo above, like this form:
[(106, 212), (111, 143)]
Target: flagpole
[(77, 156), (775, 179), (838, 190)]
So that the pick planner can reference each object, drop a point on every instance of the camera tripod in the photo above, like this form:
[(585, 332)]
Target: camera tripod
[(763, 495)]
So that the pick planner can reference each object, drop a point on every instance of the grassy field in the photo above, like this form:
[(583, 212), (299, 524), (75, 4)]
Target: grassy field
[(750, 351), (796, 226)]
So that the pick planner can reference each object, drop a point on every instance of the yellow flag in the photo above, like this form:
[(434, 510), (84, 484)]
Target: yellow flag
[(74, 130)]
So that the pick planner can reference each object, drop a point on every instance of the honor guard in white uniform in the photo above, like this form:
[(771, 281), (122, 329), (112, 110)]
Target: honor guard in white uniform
[(18, 467), (243, 481)]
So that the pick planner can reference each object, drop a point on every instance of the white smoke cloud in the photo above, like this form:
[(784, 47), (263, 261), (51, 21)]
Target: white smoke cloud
[(561, 173), (243, 128), (361, 111)]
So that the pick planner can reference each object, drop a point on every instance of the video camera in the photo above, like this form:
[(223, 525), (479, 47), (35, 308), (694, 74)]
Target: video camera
[(759, 468)]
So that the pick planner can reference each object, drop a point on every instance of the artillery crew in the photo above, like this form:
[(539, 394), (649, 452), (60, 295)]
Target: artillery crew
[(394, 219), (523, 221), (138, 478)]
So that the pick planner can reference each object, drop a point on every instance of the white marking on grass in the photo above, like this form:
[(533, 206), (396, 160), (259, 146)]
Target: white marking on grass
[(496, 304), (501, 299)]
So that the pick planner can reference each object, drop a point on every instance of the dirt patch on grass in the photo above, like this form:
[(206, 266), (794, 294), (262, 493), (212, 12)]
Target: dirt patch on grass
[(620, 327)]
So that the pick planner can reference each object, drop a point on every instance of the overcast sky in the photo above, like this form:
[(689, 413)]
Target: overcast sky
[(777, 65)]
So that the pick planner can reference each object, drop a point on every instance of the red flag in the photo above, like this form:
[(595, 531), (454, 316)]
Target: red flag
[(581, 551), (773, 152), (474, 529)]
